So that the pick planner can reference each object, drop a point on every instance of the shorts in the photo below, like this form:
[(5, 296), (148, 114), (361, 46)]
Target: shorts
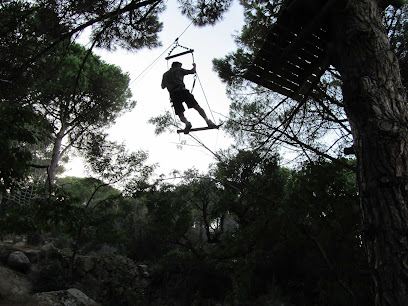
[(180, 96)]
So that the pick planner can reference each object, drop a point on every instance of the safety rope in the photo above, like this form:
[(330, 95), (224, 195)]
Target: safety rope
[(205, 97), (195, 75)]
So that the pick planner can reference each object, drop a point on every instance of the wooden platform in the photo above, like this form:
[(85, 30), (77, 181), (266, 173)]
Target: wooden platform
[(294, 54), (199, 129)]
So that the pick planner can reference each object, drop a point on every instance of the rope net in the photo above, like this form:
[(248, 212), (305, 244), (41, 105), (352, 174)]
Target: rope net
[(33, 187)]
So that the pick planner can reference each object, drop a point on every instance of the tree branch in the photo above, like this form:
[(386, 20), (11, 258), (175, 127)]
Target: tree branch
[(131, 6)]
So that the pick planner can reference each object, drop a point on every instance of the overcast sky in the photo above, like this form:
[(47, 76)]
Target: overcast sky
[(133, 127)]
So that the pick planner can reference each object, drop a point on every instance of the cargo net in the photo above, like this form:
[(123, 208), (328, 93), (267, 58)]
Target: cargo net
[(34, 185)]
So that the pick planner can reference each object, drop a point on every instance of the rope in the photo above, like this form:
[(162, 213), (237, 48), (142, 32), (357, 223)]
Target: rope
[(195, 76), (205, 97)]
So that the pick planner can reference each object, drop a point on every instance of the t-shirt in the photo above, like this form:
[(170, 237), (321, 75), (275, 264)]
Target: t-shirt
[(173, 79)]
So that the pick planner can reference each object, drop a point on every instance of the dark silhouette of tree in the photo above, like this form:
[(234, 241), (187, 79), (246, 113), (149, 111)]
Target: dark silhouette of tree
[(82, 97), (38, 58), (374, 103)]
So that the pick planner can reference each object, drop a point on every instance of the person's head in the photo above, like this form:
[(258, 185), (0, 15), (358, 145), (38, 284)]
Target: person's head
[(176, 65)]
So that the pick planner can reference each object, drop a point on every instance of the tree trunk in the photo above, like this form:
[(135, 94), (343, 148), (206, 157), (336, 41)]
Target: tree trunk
[(376, 106), (55, 158)]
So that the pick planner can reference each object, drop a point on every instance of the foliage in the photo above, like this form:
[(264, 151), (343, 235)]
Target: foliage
[(250, 231), (263, 119), (74, 90), (83, 96), (162, 123), (396, 23), (182, 279), (113, 163), (84, 92), (25, 29), (204, 12), (120, 286), (15, 154), (31, 31), (170, 216), (66, 213), (52, 275), (82, 189), (271, 233)]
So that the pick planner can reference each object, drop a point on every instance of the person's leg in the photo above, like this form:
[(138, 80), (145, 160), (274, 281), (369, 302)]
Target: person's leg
[(192, 103), (184, 120), (179, 109), (201, 111)]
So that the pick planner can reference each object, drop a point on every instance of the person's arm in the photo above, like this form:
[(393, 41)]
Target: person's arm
[(192, 71)]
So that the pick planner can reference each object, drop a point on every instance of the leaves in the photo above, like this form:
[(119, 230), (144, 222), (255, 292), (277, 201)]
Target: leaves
[(273, 232), (27, 128), (163, 123), (204, 12), (114, 164)]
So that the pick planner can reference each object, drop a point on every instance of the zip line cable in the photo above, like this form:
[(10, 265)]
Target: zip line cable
[(185, 30), (149, 67)]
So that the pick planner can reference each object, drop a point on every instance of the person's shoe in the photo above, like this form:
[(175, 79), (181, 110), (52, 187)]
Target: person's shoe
[(187, 128), (211, 124)]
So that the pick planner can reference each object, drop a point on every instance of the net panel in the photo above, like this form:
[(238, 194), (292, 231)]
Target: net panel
[(33, 187)]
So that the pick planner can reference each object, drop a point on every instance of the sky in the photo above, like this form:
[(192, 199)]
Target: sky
[(133, 128)]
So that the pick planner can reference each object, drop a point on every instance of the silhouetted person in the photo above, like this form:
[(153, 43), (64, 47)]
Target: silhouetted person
[(173, 81)]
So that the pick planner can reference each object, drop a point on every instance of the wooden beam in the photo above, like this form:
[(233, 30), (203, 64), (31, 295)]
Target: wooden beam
[(179, 54), (199, 129)]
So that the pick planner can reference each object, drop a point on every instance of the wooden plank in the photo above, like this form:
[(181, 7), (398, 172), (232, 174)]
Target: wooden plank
[(313, 24), (179, 54), (315, 74), (272, 82), (303, 53), (306, 54), (288, 71), (312, 46), (199, 129), (294, 63), (273, 77), (281, 36), (272, 60), (295, 69), (319, 38), (270, 85), (293, 57)]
